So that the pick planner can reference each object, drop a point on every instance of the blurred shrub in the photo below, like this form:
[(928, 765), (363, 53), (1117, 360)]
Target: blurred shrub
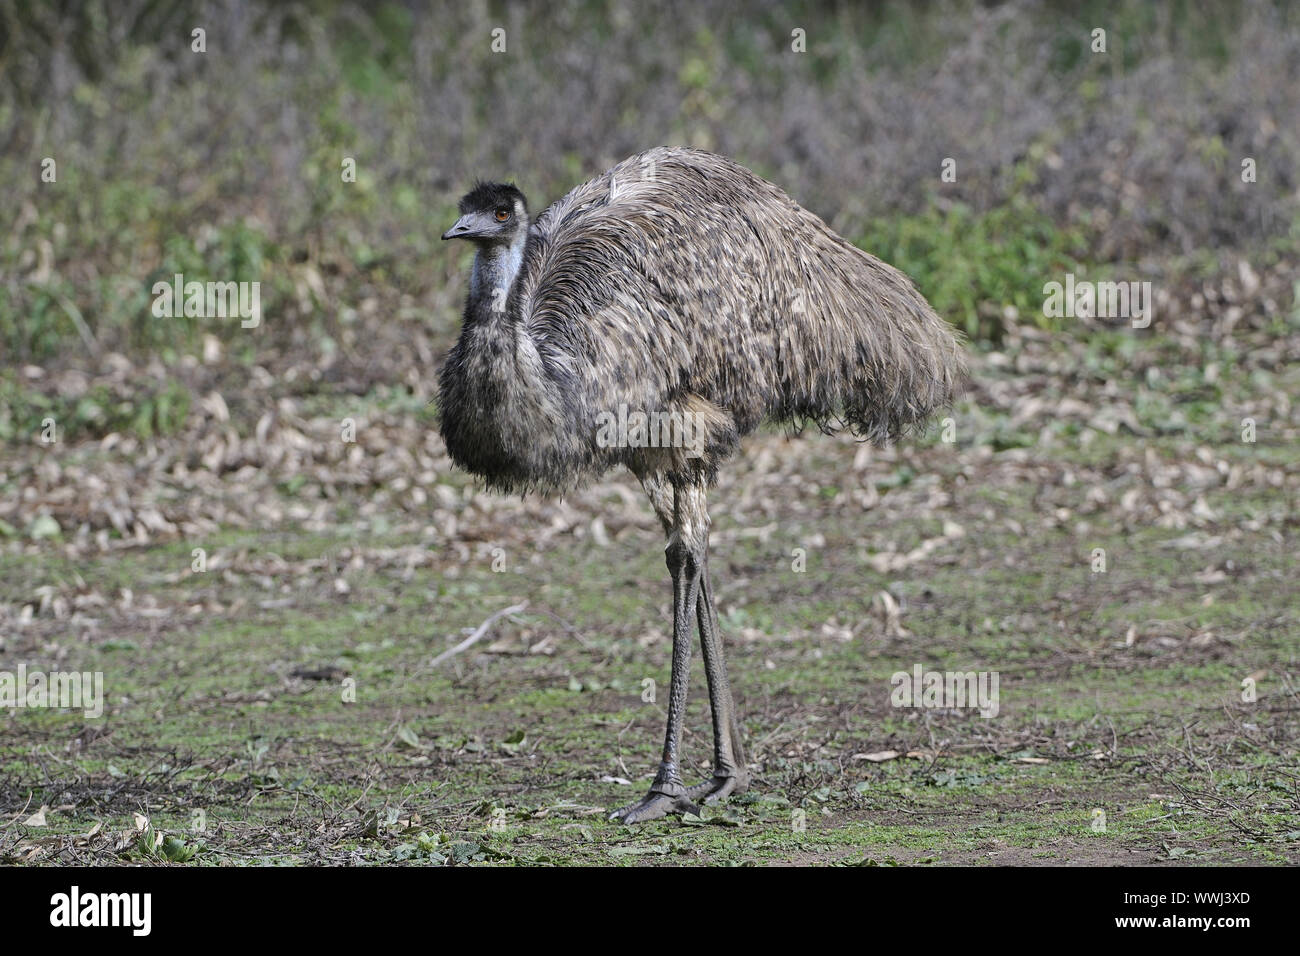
[(226, 165), (961, 259), (965, 260), (145, 409)]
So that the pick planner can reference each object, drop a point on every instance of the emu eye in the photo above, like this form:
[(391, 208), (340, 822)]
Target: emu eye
[(503, 215)]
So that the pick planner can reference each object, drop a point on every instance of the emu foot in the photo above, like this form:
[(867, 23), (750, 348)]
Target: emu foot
[(654, 806), (719, 787), (683, 800)]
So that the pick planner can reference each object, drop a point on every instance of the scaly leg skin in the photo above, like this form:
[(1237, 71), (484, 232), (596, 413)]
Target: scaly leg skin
[(730, 774), (668, 794)]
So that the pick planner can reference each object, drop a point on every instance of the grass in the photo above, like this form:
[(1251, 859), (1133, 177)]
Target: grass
[(508, 757)]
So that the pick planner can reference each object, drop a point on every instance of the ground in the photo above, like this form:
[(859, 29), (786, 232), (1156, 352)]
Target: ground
[(282, 705)]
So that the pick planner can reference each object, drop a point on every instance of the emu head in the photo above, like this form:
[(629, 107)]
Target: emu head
[(491, 214)]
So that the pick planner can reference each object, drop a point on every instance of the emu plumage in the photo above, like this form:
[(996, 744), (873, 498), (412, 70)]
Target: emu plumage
[(677, 284)]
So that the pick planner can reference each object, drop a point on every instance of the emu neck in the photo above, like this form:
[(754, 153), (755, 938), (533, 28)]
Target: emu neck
[(495, 269)]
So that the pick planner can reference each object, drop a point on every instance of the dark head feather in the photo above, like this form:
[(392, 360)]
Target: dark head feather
[(488, 196)]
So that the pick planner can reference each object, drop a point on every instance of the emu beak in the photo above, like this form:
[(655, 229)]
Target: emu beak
[(463, 229)]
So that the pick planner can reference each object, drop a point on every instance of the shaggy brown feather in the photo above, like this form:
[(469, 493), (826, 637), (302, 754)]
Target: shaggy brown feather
[(678, 281)]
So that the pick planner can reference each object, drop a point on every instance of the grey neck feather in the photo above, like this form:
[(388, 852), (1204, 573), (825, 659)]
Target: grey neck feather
[(495, 269)]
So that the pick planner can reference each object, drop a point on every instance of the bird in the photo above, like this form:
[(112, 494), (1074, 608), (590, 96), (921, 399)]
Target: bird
[(651, 319)]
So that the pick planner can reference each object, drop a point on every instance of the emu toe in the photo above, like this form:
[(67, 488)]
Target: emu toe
[(654, 806), (719, 788)]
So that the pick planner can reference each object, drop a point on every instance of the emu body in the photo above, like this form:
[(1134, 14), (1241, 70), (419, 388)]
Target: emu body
[(677, 284)]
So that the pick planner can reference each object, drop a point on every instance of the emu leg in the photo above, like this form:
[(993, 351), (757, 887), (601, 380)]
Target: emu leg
[(730, 775), (668, 793)]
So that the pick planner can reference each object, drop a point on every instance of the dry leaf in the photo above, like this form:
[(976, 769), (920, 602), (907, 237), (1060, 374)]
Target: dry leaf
[(886, 607), (878, 756)]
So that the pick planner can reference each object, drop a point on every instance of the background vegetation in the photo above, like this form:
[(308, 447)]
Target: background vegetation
[(227, 163)]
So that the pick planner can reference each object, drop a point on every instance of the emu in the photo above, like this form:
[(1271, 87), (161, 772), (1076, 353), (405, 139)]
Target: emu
[(679, 283)]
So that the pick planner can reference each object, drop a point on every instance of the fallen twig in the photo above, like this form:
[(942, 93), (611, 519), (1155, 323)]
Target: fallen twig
[(478, 634)]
